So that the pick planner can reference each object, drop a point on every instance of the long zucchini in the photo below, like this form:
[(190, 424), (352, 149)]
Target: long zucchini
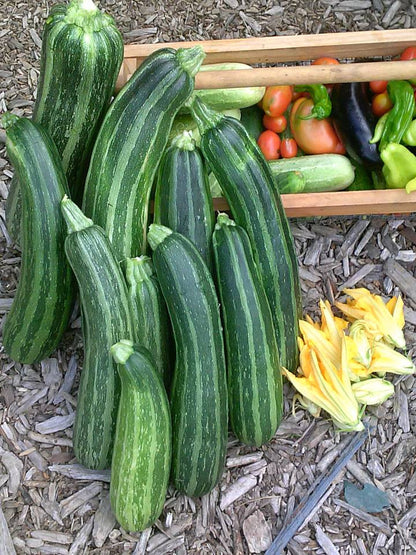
[(183, 201), (44, 298), (151, 324), (142, 447), (130, 145), (198, 397), (253, 366), (106, 320), (247, 183), (82, 51)]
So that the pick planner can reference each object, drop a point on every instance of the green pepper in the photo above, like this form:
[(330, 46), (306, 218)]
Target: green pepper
[(400, 116), (399, 166), (409, 137), (322, 103)]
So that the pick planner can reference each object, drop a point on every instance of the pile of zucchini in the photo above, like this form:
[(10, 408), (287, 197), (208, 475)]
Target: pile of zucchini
[(186, 321)]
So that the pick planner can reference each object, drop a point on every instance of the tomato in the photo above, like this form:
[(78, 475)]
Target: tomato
[(277, 124), (288, 148), (409, 53), (325, 61), (269, 143), (313, 136), (381, 104), (378, 87), (276, 99)]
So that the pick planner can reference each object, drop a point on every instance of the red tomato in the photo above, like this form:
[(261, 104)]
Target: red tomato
[(409, 53), (288, 148), (277, 124), (378, 87), (269, 143), (325, 61), (381, 104), (276, 99), (313, 136)]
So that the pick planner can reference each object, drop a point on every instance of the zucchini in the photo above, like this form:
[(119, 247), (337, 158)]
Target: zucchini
[(229, 99), (44, 298), (151, 324), (106, 320), (199, 403), (247, 183), (185, 122), (290, 182), (82, 51), (183, 201), (142, 447), (130, 145), (322, 172), (252, 119), (253, 366)]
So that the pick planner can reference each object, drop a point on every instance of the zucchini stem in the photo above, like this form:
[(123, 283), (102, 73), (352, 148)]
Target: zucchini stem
[(8, 119), (191, 59), (205, 117), (122, 351), (74, 217), (224, 219), (157, 234), (138, 269)]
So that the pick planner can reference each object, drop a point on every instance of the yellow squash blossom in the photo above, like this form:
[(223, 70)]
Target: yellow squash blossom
[(384, 321), (386, 359), (373, 391)]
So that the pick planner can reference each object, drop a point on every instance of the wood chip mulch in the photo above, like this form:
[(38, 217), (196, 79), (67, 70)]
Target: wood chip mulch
[(52, 505)]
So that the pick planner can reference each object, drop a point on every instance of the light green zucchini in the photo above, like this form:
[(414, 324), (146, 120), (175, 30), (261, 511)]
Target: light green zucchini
[(143, 442)]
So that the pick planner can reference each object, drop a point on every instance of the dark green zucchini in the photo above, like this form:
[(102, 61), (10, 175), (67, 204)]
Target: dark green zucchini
[(151, 324), (247, 183), (130, 145), (106, 320), (199, 403), (253, 366), (143, 442), (44, 298), (82, 51), (183, 201)]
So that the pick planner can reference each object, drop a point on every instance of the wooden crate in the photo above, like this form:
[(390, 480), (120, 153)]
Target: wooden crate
[(367, 50)]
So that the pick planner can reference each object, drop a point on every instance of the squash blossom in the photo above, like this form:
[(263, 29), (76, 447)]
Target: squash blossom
[(327, 386), (386, 359), (384, 321), (373, 391)]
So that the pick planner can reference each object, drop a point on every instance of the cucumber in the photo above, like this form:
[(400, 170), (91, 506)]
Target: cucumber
[(130, 145), (253, 366), (82, 51), (247, 183), (228, 99), (142, 447), (45, 293), (183, 201), (198, 398), (322, 172), (151, 324), (106, 320)]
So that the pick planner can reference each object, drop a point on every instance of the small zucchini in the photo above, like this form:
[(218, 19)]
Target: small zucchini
[(45, 294), (199, 402), (183, 201), (143, 442), (253, 366), (106, 319), (130, 145), (151, 324)]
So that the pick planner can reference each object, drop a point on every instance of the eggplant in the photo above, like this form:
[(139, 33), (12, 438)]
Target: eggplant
[(355, 122)]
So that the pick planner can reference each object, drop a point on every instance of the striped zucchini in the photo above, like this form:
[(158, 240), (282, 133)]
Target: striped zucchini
[(253, 366), (247, 183), (44, 298), (130, 145), (82, 51), (106, 319), (151, 324), (199, 403), (143, 442), (183, 201)]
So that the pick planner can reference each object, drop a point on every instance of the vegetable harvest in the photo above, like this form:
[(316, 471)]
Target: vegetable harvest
[(188, 324)]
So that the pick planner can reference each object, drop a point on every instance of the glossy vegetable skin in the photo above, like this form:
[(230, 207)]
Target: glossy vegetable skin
[(269, 143), (276, 99), (355, 122)]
